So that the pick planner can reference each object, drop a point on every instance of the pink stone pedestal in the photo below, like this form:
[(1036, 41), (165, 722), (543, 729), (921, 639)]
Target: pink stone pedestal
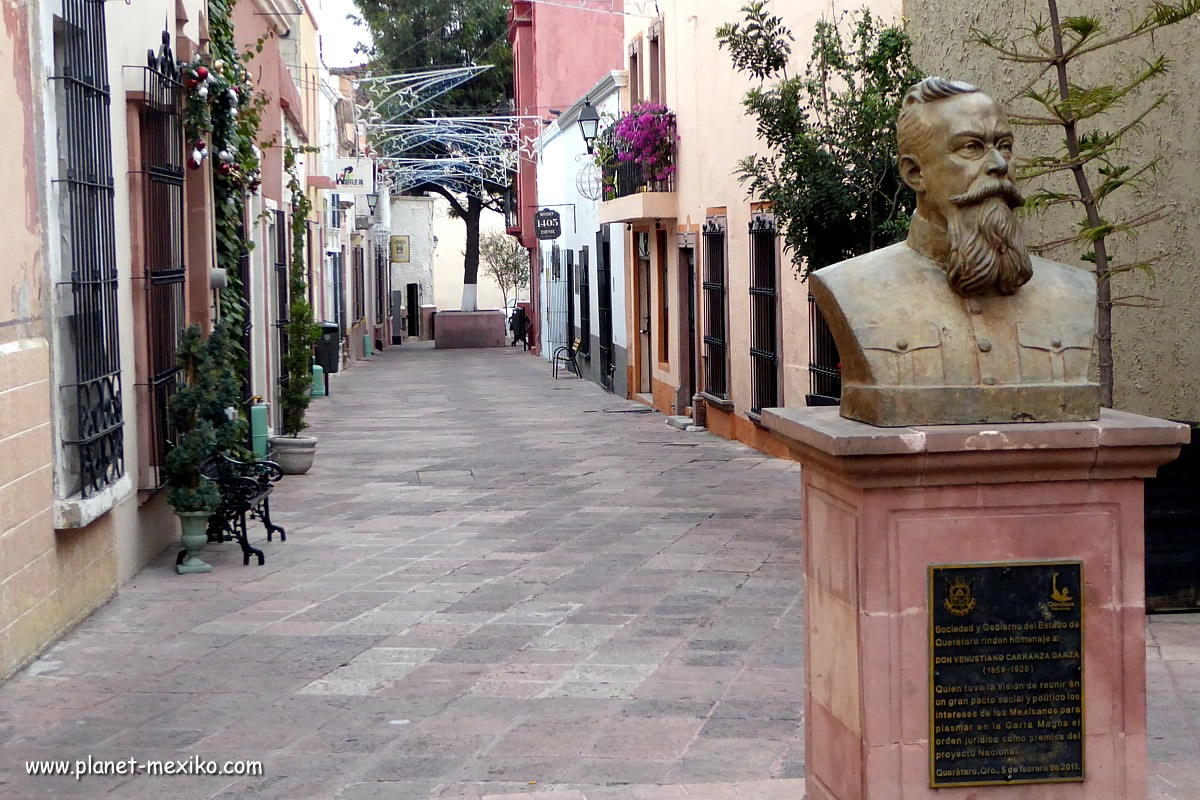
[(456, 329), (882, 504)]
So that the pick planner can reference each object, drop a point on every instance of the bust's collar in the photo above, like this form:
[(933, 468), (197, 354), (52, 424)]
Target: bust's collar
[(928, 239)]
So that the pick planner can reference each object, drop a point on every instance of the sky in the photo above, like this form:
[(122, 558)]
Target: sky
[(338, 34)]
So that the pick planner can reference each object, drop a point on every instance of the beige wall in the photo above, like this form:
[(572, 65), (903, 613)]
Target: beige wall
[(705, 92), (1156, 350), (451, 234)]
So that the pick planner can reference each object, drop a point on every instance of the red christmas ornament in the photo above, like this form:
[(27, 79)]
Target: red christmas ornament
[(192, 83), (201, 144), (193, 163), (224, 168), (202, 72)]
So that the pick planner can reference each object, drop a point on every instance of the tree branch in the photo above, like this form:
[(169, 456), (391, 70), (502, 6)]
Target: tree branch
[(454, 203)]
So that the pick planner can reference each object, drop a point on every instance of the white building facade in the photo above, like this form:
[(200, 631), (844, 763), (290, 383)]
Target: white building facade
[(582, 271)]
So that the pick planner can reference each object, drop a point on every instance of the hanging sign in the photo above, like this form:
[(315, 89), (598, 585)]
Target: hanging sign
[(547, 224), (354, 175)]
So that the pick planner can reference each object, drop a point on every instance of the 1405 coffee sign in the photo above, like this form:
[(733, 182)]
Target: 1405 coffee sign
[(547, 224)]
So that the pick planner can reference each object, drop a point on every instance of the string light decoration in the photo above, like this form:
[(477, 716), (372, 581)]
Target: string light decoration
[(461, 154)]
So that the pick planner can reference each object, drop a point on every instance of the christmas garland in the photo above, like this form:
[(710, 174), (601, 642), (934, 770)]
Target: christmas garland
[(222, 116)]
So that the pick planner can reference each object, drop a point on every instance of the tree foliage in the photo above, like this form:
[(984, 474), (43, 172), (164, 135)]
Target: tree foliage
[(505, 261), (1091, 151), (830, 171)]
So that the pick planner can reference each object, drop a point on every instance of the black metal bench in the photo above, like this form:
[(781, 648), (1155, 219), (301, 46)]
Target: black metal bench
[(245, 491)]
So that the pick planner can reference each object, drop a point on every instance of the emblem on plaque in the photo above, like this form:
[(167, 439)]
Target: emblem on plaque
[(960, 597), (1060, 597)]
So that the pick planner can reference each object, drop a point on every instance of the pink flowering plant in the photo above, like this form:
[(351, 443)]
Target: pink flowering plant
[(647, 137)]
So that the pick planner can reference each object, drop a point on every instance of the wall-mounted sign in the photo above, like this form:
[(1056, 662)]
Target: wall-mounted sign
[(547, 224), (400, 249), (354, 175)]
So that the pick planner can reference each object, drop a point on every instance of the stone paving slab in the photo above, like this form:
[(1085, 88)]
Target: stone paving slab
[(495, 585)]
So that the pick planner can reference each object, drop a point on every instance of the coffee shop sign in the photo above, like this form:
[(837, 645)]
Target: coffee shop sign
[(354, 175), (547, 224)]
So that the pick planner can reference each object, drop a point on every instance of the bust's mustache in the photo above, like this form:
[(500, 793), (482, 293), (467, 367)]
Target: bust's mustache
[(986, 188)]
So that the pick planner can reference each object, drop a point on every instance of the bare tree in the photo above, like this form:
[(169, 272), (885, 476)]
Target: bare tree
[(505, 261)]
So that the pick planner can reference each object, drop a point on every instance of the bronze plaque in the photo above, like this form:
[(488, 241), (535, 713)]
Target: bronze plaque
[(1005, 673)]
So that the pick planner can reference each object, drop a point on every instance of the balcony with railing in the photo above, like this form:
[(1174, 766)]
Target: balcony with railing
[(628, 177), (637, 158)]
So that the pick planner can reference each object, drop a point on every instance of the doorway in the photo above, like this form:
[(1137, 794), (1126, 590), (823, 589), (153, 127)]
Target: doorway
[(687, 279), (643, 309), (414, 309)]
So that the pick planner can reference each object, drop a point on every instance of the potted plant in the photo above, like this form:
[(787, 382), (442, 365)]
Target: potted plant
[(294, 453), (193, 496)]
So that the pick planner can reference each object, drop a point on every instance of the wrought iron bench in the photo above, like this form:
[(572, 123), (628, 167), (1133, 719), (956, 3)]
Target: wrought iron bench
[(245, 491), (566, 355)]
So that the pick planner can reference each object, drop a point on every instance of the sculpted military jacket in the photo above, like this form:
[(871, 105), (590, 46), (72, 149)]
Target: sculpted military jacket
[(915, 353)]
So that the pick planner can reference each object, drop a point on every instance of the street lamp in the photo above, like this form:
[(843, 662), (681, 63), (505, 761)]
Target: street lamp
[(372, 201), (589, 124), (380, 234)]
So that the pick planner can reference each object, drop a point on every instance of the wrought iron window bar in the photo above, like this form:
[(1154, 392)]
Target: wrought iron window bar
[(90, 255), (764, 315), (360, 289), (380, 286), (585, 304), (824, 363), (604, 308), (716, 348), (282, 291), (164, 268)]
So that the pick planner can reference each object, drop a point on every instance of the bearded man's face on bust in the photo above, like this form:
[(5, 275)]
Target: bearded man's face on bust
[(955, 153)]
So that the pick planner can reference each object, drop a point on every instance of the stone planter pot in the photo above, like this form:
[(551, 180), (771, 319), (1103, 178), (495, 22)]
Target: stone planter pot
[(195, 537), (294, 454)]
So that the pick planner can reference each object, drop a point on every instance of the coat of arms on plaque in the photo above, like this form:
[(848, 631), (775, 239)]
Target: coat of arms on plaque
[(960, 597)]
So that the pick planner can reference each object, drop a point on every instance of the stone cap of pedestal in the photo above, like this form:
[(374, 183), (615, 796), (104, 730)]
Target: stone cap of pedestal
[(1117, 446)]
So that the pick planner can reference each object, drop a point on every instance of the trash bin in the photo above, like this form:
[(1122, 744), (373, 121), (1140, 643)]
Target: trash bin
[(329, 347)]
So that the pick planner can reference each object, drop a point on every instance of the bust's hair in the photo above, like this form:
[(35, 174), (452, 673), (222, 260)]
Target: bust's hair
[(912, 132)]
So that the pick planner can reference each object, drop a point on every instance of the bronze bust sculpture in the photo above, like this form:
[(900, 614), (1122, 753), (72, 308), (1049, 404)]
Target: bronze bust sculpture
[(959, 324)]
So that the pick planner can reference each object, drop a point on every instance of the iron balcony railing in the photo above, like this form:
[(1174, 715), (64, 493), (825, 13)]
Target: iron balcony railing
[(627, 177)]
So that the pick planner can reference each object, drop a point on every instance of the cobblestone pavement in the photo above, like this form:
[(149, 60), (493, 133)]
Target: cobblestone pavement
[(494, 585)]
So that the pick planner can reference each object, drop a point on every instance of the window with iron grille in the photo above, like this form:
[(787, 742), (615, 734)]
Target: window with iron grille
[(585, 304), (161, 128), (380, 285), (360, 287), (716, 348), (282, 291), (824, 364), (96, 429), (571, 292), (764, 315)]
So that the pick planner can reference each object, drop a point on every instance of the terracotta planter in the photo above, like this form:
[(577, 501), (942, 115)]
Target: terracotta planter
[(194, 525), (294, 454)]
